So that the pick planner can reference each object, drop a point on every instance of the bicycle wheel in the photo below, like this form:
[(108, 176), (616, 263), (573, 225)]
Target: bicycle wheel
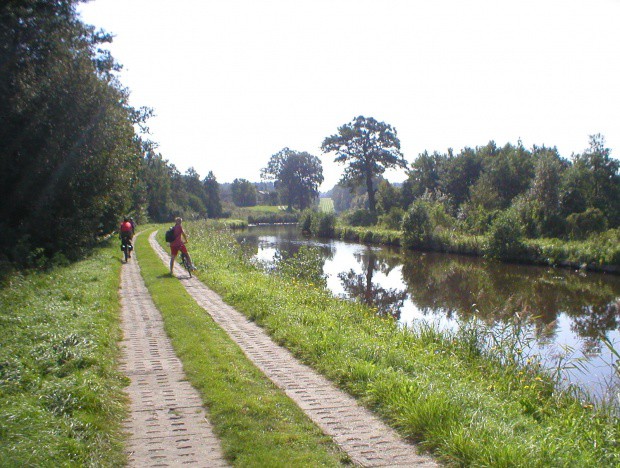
[(126, 251), (186, 264)]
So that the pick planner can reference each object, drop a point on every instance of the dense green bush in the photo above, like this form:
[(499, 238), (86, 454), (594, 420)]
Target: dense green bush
[(318, 223), (581, 225), (361, 218), (305, 220), (475, 219), (505, 240), (323, 224), (536, 221), (393, 219), (417, 227)]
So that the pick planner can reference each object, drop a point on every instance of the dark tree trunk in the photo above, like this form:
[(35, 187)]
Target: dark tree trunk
[(371, 194)]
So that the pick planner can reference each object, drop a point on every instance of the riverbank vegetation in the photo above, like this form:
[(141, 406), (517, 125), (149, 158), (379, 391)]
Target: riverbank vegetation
[(61, 400), (469, 402), (504, 241), (265, 214), (509, 203)]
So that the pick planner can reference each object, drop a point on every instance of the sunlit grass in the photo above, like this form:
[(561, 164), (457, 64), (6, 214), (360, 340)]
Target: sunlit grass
[(466, 403), (266, 208), (326, 205), (61, 401), (602, 253), (265, 214)]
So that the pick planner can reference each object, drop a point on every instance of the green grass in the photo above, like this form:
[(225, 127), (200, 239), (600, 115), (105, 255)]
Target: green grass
[(61, 401), (326, 205), (257, 423), (232, 223), (469, 407), (601, 253), (266, 208), (265, 214), (369, 235)]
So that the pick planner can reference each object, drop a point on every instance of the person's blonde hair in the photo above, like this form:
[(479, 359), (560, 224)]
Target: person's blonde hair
[(178, 219)]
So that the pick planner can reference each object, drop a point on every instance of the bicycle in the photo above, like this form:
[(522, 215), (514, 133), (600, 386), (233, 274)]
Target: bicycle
[(187, 264), (126, 247)]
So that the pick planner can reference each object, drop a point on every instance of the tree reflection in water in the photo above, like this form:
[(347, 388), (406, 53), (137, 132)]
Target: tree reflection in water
[(387, 301), (462, 286)]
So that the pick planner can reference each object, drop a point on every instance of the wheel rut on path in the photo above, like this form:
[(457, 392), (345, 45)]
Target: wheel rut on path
[(167, 425), (362, 435)]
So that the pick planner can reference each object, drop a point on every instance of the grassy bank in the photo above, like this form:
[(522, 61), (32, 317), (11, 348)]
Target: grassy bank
[(61, 401), (265, 214), (468, 405), (257, 423), (601, 253)]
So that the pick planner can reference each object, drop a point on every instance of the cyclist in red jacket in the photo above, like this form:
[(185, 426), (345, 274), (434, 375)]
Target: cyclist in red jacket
[(126, 234)]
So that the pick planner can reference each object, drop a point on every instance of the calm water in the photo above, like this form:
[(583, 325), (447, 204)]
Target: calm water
[(571, 309)]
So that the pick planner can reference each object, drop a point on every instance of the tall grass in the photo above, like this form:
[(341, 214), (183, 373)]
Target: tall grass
[(61, 401), (460, 399), (369, 235)]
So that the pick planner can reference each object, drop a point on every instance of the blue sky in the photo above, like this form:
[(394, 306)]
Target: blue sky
[(232, 82)]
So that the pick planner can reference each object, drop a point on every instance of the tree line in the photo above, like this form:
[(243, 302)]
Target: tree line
[(508, 202), (72, 159), (545, 194), (548, 195), (75, 155), (75, 159)]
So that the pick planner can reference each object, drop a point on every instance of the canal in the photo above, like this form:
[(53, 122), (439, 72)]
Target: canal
[(568, 310)]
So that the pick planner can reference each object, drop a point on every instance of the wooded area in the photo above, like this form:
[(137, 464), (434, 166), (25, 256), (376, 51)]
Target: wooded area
[(72, 159)]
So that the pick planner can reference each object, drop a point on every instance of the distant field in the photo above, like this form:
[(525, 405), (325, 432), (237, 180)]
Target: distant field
[(326, 205), (265, 214), (266, 208)]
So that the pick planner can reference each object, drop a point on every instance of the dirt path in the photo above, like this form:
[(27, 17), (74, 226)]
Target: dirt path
[(363, 436), (167, 424)]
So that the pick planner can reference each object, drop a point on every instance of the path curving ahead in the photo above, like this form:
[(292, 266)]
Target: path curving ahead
[(167, 425), (362, 435)]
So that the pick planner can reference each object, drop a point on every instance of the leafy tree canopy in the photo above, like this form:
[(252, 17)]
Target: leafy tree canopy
[(243, 193), (368, 148), (297, 177), (69, 157)]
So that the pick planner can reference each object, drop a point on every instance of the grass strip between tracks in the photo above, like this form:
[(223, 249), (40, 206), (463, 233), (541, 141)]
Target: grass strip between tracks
[(258, 425)]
